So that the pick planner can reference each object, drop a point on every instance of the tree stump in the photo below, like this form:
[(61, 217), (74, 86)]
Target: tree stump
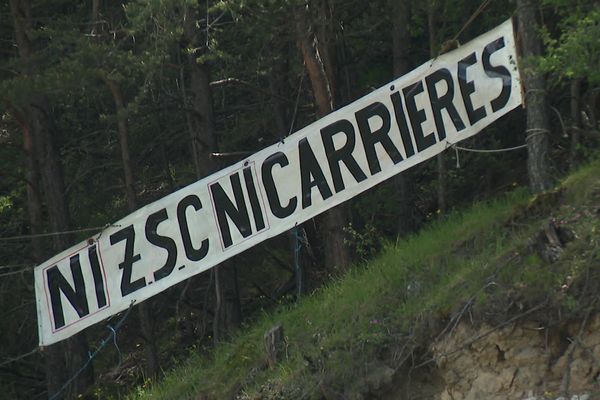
[(548, 242), (274, 344)]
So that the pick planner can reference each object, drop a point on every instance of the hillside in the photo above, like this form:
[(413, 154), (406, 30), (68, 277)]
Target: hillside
[(178, 178), (498, 301)]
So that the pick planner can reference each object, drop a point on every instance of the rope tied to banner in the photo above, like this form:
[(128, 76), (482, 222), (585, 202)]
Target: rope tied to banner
[(532, 133), (295, 106), (472, 18), (297, 250), (300, 239), (20, 271), (58, 233), (112, 336), (19, 358), (530, 91), (453, 43)]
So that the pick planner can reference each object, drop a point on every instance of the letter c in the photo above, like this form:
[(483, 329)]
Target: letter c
[(277, 209)]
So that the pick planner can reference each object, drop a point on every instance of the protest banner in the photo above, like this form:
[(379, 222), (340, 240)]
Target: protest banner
[(406, 122)]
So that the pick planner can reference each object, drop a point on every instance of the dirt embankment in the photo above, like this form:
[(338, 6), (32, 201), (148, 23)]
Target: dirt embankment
[(541, 353), (522, 361)]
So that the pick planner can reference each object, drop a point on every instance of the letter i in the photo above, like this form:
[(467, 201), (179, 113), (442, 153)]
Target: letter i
[(259, 220), (97, 274)]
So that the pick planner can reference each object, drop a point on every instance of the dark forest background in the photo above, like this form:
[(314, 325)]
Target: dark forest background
[(106, 106)]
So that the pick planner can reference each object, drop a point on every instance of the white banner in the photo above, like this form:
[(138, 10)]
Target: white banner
[(406, 122)]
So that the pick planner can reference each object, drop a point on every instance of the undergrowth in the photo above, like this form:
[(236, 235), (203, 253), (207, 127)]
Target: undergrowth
[(481, 261)]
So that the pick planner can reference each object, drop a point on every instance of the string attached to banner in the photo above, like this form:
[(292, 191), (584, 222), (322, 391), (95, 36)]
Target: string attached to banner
[(296, 105), (457, 148), (299, 240), (59, 233), (20, 271), (532, 132), (19, 358), (111, 337), (472, 18), (295, 230), (13, 267)]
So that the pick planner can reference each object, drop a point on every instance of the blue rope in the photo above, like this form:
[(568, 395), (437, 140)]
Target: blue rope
[(297, 242), (112, 336), (116, 345)]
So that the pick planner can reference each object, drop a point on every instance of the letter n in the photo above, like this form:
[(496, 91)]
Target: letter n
[(236, 210), (58, 284)]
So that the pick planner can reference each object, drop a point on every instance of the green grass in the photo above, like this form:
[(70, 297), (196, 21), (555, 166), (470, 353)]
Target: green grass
[(397, 302)]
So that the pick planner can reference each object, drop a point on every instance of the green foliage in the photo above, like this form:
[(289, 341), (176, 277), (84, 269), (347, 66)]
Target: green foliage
[(576, 52), (5, 203), (363, 243)]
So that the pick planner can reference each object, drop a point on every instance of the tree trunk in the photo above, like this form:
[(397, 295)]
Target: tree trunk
[(313, 62), (202, 132), (442, 173), (325, 34), (123, 129), (58, 214), (278, 87), (42, 142), (592, 108), (53, 355), (400, 36), (575, 89), (95, 17), (34, 203), (144, 309), (336, 252), (228, 315), (538, 126), (202, 120), (218, 320), (32, 178), (403, 182)]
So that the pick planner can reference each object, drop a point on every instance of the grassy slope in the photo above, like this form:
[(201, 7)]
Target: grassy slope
[(387, 311)]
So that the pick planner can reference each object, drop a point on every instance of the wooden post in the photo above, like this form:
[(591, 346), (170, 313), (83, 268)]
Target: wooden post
[(274, 344)]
